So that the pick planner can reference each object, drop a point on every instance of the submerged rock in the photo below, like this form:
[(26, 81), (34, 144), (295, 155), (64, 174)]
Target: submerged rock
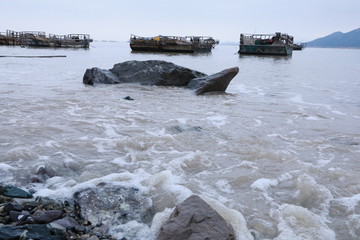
[(128, 98), (184, 128), (194, 219), (161, 73)]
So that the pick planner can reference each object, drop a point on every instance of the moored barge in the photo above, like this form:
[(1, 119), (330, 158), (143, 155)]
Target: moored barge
[(266, 44), (40, 39), (187, 44)]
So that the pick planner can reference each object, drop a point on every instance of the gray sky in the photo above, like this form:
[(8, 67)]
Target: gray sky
[(223, 20)]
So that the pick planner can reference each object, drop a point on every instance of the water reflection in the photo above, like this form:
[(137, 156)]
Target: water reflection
[(171, 54), (266, 57)]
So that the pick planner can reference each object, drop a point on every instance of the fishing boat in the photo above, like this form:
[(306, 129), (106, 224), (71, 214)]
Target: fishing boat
[(266, 44), (40, 39), (298, 46), (187, 44)]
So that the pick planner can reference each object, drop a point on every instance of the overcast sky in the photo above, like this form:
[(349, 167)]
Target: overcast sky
[(221, 19)]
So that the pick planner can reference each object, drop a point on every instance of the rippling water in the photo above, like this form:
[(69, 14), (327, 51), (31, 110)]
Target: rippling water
[(277, 155)]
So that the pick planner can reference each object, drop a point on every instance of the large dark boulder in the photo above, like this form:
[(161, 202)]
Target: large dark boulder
[(161, 73), (217, 82), (152, 72), (194, 219)]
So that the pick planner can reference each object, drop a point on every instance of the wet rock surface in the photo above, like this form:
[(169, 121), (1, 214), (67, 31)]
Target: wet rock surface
[(12, 191), (152, 72), (194, 219), (34, 231), (217, 82), (161, 73), (114, 205), (88, 215)]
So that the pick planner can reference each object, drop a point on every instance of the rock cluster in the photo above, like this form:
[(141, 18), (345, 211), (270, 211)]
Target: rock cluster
[(87, 216), (161, 73), (92, 211)]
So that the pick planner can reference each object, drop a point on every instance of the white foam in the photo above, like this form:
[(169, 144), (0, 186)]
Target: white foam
[(313, 118), (248, 164), (164, 182), (217, 120), (224, 186), (103, 144), (263, 184), (354, 225), (121, 161), (297, 99), (243, 89), (182, 120), (134, 230), (258, 122), (158, 221), (6, 167), (312, 195), (349, 202), (235, 218), (298, 223), (339, 113), (110, 131)]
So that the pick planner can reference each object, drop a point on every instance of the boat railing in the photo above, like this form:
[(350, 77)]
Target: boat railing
[(25, 34), (135, 37), (77, 37), (255, 39), (190, 39), (12, 34), (57, 37)]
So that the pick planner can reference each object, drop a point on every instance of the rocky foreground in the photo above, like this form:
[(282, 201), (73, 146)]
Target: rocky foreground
[(91, 212), (161, 73)]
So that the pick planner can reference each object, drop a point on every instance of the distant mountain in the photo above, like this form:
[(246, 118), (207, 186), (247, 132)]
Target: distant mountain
[(338, 40)]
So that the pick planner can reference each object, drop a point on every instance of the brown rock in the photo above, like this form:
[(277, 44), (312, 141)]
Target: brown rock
[(194, 219)]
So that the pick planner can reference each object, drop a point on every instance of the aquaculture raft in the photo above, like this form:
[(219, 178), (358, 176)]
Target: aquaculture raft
[(266, 44), (187, 44), (40, 39)]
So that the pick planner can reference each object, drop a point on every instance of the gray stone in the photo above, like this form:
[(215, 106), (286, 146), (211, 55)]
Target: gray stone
[(184, 128), (97, 75), (12, 206), (150, 72), (18, 216), (114, 205), (161, 73), (194, 219), (46, 216), (217, 82), (15, 192), (33, 231), (69, 223), (46, 172)]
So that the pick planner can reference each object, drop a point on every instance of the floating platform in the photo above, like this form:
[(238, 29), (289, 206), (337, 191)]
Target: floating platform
[(188, 44), (266, 44), (40, 39)]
